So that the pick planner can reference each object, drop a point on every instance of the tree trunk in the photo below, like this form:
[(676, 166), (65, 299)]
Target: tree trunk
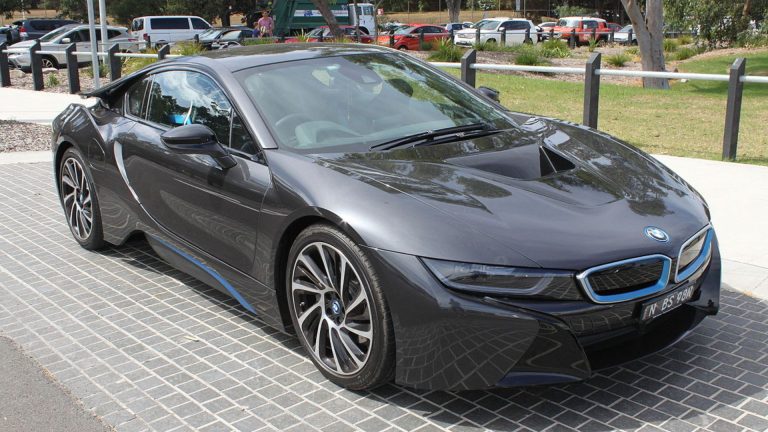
[(650, 38), (454, 7), (325, 10), (225, 22), (747, 9)]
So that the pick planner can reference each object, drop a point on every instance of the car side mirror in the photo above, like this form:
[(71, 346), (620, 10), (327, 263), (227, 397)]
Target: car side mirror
[(66, 40), (198, 139), (502, 29), (490, 93)]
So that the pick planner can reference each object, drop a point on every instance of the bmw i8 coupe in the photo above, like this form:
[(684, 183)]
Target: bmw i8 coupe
[(402, 224)]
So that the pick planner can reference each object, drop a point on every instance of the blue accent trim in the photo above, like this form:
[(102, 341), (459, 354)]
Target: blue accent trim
[(232, 291), (616, 298), (699, 261)]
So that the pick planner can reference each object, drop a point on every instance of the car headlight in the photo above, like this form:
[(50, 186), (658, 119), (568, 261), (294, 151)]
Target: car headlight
[(505, 281)]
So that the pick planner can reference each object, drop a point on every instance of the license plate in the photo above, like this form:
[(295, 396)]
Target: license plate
[(666, 303)]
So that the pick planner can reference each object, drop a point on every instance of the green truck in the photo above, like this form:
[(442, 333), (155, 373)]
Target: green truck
[(296, 16)]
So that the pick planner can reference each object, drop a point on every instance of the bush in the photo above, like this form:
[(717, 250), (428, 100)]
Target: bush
[(487, 46), (52, 81), (103, 70), (132, 64), (592, 44), (670, 45), (187, 48), (446, 52), (749, 39), (529, 56), (683, 53), (633, 51), (565, 10), (554, 48), (618, 60), (685, 39)]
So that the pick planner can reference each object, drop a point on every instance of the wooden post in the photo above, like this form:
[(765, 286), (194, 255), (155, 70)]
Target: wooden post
[(733, 109), (163, 51), (421, 41), (591, 91), (551, 33), (527, 36), (477, 36), (36, 64), (469, 75), (5, 70), (503, 37), (73, 73), (115, 65), (572, 41), (629, 37), (391, 40), (613, 34), (320, 37)]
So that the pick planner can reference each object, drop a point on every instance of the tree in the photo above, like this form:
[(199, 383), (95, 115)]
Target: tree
[(325, 10), (649, 28), (454, 7), (717, 22)]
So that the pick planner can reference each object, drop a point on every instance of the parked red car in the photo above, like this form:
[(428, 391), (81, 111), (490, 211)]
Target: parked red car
[(350, 35), (408, 38), (584, 26)]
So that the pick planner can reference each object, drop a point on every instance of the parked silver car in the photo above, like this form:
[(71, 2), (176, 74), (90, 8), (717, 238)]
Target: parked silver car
[(58, 39)]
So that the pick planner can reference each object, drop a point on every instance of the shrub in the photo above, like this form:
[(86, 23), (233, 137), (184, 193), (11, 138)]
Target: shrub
[(633, 51), (103, 70), (685, 39), (592, 44), (683, 53), (446, 52), (670, 45), (749, 39), (618, 60), (132, 64), (258, 41), (53, 80), (487, 46), (529, 57), (554, 48), (187, 48)]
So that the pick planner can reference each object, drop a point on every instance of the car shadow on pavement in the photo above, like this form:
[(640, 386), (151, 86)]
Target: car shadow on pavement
[(715, 378)]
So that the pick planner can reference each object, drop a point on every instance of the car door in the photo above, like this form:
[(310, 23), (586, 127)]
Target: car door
[(433, 34), (189, 195)]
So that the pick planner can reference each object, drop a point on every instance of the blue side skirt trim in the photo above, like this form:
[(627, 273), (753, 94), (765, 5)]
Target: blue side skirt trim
[(232, 291)]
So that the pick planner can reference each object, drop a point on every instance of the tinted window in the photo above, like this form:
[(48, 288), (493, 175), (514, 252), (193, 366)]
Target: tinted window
[(138, 24), (240, 138), (199, 24), (135, 96), (113, 33), (433, 30), (590, 24), (170, 23), (180, 97)]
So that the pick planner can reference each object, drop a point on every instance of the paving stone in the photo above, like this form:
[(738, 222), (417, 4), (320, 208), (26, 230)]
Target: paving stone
[(150, 348)]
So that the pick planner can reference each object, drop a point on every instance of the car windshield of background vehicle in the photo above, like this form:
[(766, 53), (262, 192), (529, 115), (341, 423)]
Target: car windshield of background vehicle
[(568, 23), (54, 34), (488, 25), (404, 30), (351, 103)]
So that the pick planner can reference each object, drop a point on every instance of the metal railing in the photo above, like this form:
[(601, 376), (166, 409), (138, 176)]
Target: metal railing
[(592, 72)]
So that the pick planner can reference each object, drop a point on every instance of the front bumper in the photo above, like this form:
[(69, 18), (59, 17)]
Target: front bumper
[(453, 341)]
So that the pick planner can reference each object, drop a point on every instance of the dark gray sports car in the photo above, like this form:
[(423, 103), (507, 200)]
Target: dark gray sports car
[(400, 223)]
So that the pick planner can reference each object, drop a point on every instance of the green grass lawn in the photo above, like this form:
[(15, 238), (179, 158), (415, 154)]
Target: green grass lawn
[(687, 120)]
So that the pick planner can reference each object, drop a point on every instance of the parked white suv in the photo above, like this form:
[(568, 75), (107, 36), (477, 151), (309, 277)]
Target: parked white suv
[(162, 30), (78, 34), (491, 29)]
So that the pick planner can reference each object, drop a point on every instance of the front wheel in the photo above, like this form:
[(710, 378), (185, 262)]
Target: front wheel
[(78, 198), (338, 309)]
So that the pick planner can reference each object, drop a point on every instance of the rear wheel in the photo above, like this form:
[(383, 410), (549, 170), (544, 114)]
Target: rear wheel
[(402, 48), (49, 62), (78, 198), (338, 309)]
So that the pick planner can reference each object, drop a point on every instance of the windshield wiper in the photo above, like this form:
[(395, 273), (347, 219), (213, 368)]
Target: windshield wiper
[(428, 137)]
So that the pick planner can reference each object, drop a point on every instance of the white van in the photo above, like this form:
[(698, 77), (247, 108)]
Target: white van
[(161, 30)]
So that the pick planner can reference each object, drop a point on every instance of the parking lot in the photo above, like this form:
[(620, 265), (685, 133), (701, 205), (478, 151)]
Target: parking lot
[(148, 348)]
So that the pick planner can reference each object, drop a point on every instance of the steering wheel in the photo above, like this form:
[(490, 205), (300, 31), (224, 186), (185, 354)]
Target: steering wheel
[(286, 126)]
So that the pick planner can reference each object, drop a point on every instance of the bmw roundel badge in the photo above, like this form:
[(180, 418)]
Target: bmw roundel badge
[(657, 234)]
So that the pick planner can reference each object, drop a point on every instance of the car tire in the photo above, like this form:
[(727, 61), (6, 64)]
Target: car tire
[(77, 195), (49, 62), (344, 325), (491, 41), (402, 48)]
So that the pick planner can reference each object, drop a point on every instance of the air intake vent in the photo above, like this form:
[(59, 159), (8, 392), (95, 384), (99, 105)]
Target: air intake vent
[(551, 162)]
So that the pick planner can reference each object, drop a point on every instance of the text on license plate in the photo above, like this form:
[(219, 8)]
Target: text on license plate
[(666, 303)]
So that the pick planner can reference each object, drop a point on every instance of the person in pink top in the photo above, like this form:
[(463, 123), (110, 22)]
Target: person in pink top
[(266, 24)]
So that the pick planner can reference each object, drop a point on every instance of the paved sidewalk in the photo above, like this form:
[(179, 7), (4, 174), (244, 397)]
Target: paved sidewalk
[(35, 107)]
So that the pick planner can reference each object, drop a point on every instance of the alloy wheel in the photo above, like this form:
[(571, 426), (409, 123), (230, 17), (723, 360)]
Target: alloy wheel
[(47, 63), (76, 196), (332, 308)]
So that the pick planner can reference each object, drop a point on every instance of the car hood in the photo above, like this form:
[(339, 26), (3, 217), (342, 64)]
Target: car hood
[(543, 187), (25, 44)]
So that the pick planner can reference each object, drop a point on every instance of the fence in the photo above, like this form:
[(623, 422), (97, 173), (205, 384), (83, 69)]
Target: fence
[(469, 67), (592, 73)]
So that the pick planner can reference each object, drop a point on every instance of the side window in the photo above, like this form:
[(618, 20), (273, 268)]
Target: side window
[(169, 23), (136, 96), (113, 34), (199, 24), (181, 97), (240, 139)]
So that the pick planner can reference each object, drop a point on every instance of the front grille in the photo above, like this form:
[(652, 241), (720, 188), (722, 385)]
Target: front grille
[(627, 277)]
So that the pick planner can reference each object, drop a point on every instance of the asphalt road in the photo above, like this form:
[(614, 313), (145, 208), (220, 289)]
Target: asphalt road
[(33, 401)]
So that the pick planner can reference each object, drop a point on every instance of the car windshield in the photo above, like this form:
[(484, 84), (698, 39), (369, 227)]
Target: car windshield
[(351, 103), (316, 32), (54, 34), (626, 29), (210, 34), (568, 22), (405, 30), (488, 25)]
